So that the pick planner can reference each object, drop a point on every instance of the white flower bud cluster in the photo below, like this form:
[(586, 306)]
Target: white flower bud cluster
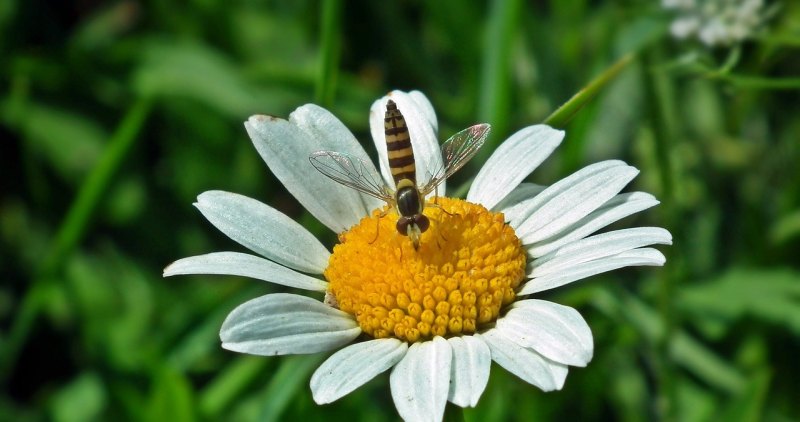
[(716, 22)]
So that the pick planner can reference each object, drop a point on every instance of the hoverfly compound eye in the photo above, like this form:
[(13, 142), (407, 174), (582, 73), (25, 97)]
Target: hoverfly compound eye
[(402, 225), (422, 222)]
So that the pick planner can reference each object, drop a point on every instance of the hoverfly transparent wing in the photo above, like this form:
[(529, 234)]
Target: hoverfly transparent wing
[(352, 172), (456, 151)]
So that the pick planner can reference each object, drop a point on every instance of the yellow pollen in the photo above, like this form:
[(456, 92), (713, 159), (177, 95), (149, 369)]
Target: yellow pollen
[(468, 266)]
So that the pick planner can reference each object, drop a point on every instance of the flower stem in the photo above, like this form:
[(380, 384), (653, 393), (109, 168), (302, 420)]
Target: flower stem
[(567, 111), (330, 47), (495, 85), (664, 121)]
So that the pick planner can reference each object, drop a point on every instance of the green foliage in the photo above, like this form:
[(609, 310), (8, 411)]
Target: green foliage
[(116, 115)]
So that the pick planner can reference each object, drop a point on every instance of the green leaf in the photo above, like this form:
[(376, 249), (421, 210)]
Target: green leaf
[(749, 406), (200, 73), (695, 403), (68, 141), (684, 349), (171, 397), (83, 399), (230, 383), (289, 380), (772, 295), (786, 228)]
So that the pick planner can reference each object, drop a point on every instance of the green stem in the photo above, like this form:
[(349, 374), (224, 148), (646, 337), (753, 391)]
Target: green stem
[(91, 191), (72, 230), (663, 114), (495, 89), (755, 82), (567, 111), (330, 48)]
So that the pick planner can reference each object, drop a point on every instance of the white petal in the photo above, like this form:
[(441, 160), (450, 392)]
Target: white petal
[(512, 162), (470, 370), (282, 323), (530, 366), (615, 209), (636, 257), (286, 145), (564, 204), (426, 108), (264, 230), (354, 366), (234, 263), (513, 201), (559, 372), (555, 331), (598, 247), (421, 380), (427, 153), (333, 135), (526, 208)]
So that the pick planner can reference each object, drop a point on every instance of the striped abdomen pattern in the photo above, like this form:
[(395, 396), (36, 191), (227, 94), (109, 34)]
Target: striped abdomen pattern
[(398, 145)]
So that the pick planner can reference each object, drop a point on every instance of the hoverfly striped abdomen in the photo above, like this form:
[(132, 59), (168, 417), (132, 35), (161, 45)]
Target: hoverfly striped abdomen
[(408, 200), (398, 146)]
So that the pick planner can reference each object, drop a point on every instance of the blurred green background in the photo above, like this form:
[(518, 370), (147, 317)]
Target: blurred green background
[(115, 115)]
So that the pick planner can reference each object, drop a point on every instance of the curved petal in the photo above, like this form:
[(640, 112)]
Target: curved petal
[(320, 124), (286, 145), (235, 263), (528, 365), (514, 200), (636, 257), (572, 198), (512, 162), (598, 247), (282, 323), (421, 380), (526, 208), (472, 361), (555, 331), (426, 108), (615, 209), (354, 366), (264, 230), (427, 153)]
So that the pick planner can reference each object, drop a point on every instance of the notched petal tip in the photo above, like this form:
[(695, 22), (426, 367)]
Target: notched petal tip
[(262, 118)]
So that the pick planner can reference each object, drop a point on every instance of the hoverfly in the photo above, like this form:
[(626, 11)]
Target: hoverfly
[(409, 198)]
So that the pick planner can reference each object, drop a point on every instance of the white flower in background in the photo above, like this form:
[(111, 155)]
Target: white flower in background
[(716, 22), (437, 316)]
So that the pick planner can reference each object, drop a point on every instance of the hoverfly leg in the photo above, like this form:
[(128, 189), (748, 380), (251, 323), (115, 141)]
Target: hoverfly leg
[(377, 231), (435, 205), (378, 225)]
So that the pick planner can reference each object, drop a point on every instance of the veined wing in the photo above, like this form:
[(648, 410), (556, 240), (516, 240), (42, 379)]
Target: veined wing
[(456, 151), (352, 172)]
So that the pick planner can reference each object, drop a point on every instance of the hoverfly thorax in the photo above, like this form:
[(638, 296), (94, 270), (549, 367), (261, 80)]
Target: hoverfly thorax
[(408, 198)]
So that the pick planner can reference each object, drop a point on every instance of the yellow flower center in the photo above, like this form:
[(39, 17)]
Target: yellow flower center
[(468, 266)]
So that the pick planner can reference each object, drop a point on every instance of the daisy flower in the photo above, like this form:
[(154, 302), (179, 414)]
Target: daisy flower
[(439, 314), (716, 22)]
